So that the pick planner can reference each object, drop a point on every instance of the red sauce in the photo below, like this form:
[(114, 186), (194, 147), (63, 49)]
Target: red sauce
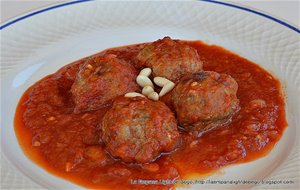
[(64, 143)]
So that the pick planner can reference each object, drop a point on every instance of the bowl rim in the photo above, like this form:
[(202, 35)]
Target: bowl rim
[(39, 11), (59, 5)]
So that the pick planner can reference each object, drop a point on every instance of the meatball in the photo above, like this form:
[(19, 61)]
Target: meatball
[(99, 80), (205, 100), (138, 129), (170, 58)]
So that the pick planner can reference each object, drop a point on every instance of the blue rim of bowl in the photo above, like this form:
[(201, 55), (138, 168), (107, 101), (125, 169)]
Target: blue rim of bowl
[(20, 18), (210, 1)]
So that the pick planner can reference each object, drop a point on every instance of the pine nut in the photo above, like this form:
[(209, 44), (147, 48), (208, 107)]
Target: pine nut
[(146, 72), (144, 81), (147, 90), (153, 96), (167, 88), (133, 94), (161, 81)]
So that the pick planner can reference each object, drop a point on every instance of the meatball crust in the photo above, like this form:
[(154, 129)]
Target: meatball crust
[(170, 58), (101, 79), (138, 129), (205, 100)]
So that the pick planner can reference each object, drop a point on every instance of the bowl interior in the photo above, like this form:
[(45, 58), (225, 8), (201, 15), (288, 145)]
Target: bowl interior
[(40, 45)]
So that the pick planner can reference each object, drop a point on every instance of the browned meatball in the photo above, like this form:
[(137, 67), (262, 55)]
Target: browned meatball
[(101, 79), (138, 129), (170, 58), (205, 100)]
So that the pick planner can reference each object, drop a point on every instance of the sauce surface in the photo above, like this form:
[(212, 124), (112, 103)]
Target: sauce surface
[(68, 145)]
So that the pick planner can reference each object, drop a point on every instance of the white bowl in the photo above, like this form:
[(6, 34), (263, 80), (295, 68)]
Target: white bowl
[(41, 42)]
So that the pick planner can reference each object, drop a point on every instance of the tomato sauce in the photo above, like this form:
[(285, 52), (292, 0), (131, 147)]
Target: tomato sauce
[(68, 145)]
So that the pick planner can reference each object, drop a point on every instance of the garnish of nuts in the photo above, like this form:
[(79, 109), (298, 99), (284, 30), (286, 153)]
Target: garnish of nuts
[(166, 85), (148, 88)]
